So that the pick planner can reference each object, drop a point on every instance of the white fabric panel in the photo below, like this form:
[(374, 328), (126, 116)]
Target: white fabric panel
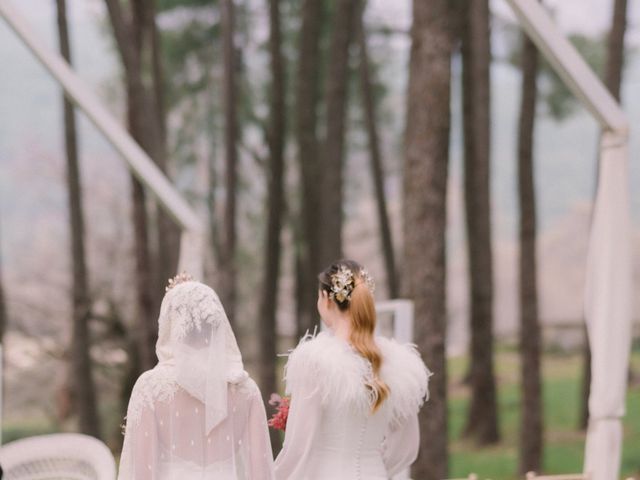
[(608, 310)]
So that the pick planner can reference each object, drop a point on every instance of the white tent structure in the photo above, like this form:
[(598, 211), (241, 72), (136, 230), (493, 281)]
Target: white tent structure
[(609, 275), (608, 288)]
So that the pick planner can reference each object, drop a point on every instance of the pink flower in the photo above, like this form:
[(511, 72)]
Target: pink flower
[(278, 420)]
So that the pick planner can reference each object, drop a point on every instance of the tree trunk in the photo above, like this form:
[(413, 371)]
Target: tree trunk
[(212, 175), (149, 54), (129, 36), (583, 420), (272, 252), (613, 81), (4, 317), (168, 233), (227, 261), (147, 326), (368, 102), (331, 194), (424, 214), (84, 393), (531, 416), (482, 419), (615, 49), (300, 291), (4, 323), (306, 120)]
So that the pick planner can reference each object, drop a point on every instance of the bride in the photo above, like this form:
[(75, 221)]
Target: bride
[(196, 414), (354, 397)]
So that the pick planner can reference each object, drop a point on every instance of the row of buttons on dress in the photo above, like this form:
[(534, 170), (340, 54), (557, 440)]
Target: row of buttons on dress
[(363, 428)]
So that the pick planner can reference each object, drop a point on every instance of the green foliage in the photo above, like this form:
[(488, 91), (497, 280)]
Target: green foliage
[(189, 55), (164, 5), (559, 101), (15, 431)]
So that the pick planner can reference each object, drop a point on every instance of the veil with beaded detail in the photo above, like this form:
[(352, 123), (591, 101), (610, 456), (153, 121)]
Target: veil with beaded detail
[(196, 414)]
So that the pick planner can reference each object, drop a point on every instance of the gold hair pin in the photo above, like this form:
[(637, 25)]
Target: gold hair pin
[(368, 280), (342, 284), (178, 279)]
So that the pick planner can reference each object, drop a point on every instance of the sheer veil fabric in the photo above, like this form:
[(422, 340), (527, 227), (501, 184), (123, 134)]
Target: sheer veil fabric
[(197, 414)]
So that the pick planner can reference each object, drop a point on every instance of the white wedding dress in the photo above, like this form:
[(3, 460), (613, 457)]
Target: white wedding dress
[(331, 433), (197, 415)]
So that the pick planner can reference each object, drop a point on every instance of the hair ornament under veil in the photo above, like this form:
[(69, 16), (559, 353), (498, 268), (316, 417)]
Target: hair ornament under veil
[(178, 279)]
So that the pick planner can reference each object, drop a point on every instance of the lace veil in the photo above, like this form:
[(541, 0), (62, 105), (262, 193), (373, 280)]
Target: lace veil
[(195, 340), (196, 414)]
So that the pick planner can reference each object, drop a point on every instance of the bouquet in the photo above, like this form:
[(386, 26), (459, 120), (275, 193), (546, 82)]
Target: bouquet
[(278, 420)]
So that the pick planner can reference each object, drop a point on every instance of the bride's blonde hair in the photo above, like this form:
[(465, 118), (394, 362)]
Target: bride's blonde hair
[(353, 292)]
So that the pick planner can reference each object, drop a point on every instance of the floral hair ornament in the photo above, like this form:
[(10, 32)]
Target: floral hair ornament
[(342, 284), (178, 279), (368, 280)]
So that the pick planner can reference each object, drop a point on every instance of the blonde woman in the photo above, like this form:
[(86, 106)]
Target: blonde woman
[(354, 396)]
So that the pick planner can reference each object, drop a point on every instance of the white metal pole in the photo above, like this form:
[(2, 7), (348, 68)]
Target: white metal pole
[(608, 307), (570, 65), (138, 161)]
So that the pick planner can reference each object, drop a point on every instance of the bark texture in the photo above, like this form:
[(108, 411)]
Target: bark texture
[(424, 214)]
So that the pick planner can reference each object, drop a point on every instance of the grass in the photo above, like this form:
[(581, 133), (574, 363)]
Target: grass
[(16, 430), (564, 443)]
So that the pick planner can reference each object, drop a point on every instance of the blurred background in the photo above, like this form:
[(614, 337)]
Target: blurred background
[(267, 134)]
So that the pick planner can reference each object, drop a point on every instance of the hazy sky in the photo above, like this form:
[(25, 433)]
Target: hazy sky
[(587, 16)]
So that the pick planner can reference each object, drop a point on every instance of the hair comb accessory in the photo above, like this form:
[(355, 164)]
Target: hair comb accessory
[(178, 279), (342, 284)]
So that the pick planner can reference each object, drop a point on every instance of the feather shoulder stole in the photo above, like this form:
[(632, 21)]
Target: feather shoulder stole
[(406, 375), (330, 367)]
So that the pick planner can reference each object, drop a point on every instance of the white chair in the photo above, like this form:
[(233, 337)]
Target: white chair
[(62, 456)]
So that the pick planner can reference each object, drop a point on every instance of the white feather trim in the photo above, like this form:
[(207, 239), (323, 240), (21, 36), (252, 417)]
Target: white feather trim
[(339, 374), (329, 366), (406, 375)]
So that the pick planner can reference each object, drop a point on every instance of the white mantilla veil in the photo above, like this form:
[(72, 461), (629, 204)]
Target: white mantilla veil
[(196, 341), (196, 414)]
